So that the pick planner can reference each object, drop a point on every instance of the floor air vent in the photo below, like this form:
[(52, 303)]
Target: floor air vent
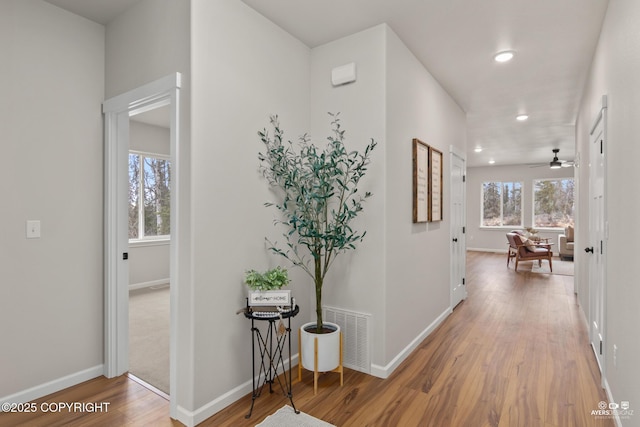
[(356, 328)]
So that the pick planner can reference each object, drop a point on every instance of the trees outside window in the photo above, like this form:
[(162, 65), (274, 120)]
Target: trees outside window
[(149, 196), (553, 203), (501, 204)]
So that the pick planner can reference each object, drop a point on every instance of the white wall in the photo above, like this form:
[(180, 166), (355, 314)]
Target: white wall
[(244, 69), (149, 138), (399, 274), (53, 69), (417, 255), (494, 238), (147, 42), (614, 72), (148, 263), (356, 280)]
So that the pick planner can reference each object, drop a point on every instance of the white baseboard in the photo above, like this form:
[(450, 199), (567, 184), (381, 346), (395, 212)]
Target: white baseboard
[(148, 284), (616, 416), (385, 371), (47, 388), (192, 418)]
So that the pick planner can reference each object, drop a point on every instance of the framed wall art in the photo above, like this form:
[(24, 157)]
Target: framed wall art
[(435, 185), (420, 181)]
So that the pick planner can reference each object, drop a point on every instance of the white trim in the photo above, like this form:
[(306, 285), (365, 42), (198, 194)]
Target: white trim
[(144, 98), (142, 285), (192, 418), (385, 371), (53, 386), (150, 154), (610, 397), (141, 243)]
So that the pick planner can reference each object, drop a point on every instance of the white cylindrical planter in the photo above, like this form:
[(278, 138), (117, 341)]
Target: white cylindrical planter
[(328, 348)]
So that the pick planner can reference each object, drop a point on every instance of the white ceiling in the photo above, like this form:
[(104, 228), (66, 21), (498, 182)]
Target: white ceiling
[(100, 11), (554, 42)]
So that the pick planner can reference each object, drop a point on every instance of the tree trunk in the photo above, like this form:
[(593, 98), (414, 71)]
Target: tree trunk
[(318, 283)]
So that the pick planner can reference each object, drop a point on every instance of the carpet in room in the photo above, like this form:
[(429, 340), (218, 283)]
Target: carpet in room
[(149, 335)]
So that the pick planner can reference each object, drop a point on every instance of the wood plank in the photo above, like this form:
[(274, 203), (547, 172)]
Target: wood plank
[(515, 353)]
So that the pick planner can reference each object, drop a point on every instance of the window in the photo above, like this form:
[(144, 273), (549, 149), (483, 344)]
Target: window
[(553, 202), (149, 196), (501, 204)]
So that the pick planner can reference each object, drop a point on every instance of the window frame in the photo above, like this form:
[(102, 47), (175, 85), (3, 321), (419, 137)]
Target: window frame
[(139, 241), (502, 226), (533, 202)]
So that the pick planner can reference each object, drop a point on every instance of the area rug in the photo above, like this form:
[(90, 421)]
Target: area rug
[(286, 417), (561, 268)]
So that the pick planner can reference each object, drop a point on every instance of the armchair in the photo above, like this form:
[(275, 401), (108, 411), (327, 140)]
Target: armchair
[(522, 249), (565, 244)]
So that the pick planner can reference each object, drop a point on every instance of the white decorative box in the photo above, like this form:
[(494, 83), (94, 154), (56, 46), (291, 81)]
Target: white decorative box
[(279, 297)]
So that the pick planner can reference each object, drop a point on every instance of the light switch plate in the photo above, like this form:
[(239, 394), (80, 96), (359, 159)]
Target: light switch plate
[(33, 229)]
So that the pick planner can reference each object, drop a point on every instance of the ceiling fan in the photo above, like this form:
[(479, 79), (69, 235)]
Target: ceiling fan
[(556, 163)]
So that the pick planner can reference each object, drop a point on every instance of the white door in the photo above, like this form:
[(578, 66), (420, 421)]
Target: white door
[(597, 239), (458, 219)]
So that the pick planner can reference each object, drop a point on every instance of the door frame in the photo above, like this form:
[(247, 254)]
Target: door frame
[(458, 234), (117, 110), (599, 296)]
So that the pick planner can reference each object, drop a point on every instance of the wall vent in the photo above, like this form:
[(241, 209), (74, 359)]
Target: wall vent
[(356, 333)]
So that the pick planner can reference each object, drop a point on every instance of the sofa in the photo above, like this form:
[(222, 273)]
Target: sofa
[(565, 244)]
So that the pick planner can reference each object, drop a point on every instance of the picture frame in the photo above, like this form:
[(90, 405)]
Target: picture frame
[(420, 181), (435, 185)]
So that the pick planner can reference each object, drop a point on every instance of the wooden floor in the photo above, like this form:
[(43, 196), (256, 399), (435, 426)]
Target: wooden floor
[(515, 353)]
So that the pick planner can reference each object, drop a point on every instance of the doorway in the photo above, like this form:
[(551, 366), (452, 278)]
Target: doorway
[(149, 202), (458, 220), (117, 111)]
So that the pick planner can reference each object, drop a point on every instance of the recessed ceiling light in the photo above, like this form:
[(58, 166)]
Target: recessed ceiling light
[(478, 149), (522, 117), (504, 56), (491, 161)]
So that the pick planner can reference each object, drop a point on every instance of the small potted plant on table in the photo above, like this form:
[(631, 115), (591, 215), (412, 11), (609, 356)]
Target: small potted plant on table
[(265, 286)]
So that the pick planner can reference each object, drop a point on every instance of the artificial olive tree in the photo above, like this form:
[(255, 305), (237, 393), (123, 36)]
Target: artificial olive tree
[(318, 198)]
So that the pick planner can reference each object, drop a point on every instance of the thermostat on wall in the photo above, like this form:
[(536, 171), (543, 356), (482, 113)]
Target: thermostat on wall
[(343, 74)]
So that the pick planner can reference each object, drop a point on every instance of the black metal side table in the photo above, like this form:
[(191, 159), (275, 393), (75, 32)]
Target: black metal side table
[(271, 347)]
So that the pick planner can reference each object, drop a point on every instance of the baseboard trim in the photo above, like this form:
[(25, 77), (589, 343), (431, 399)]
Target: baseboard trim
[(53, 386), (616, 416), (385, 371), (192, 418), (150, 283), (496, 251)]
